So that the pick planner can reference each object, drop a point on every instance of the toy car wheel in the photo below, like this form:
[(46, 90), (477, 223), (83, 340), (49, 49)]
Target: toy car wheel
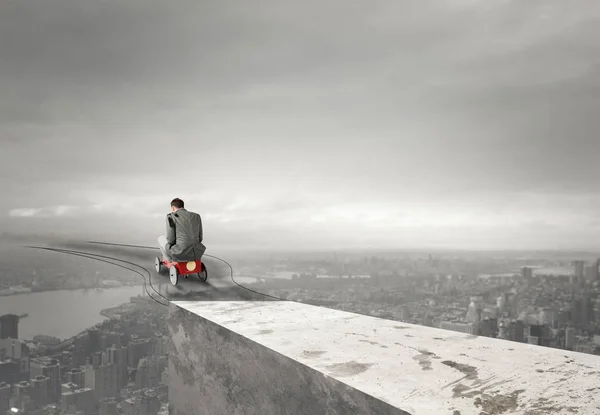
[(203, 276), (174, 275), (157, 264)]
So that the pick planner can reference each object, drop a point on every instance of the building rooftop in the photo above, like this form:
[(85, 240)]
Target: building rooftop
[(419, 370)]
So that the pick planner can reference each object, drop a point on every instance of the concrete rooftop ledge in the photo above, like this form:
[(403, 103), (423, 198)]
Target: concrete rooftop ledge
[(292, 358)]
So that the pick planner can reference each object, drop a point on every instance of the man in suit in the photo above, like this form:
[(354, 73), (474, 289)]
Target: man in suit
[(183, 240)]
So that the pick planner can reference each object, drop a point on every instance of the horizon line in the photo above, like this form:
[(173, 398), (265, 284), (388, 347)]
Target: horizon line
[(306, 250)]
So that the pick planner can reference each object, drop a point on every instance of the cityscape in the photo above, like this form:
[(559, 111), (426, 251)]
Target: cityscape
[(115, 367), (119, 366), (393, 207)]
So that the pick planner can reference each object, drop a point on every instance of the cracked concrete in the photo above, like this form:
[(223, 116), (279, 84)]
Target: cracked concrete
[(290, 358), (213, 370)]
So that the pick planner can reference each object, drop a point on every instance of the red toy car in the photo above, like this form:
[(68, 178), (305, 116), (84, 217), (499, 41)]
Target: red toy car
[(182, 268)]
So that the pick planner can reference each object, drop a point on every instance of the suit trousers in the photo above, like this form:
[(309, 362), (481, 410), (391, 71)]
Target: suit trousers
[(162, 244)]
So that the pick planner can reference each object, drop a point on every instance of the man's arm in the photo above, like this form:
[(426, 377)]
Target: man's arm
[(200, 230), (170, 231)]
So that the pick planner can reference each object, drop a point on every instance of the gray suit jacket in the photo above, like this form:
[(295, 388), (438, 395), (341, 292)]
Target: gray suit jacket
[(184, 236)]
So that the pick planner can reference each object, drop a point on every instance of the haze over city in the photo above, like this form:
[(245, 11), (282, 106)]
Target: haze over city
[(394, 124), (398, 207)]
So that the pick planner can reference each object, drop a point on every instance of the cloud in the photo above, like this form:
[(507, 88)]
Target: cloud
[(389, 116), (25, 212), (48, 211), (438, 72)]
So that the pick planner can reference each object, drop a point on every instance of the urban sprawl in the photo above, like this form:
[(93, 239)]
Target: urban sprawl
[(120, 366)]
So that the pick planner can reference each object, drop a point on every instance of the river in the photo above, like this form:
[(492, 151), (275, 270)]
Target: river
[(63, 313)]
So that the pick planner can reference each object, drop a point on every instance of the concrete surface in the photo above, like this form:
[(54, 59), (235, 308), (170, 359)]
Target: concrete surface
[(277, 357), (215, 371)]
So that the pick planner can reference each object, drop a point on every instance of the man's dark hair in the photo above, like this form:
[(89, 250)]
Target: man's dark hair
[(177, 202)]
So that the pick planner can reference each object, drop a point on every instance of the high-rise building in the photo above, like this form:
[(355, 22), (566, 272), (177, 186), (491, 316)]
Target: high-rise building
[(162, 362), (591, 272), (103, 380), (138, 348), (588, 309), (9, 370), (40, 390), (65, 360), (12, 348), (148, 373), (141, 405), (503, 330), (108, 407), (19, 352), (94, 340), (25, 405), (595, 274), (118, 356), (474, 312), (519, 331), (161, 344), (81, 349), (5, 392), (596, 312), (569, 338), (516, 331), (487, 327), (9, 326), (78, 399), (582, 310), (501, 304), (76, 376), (564, 317), (405, 313), (579, 268), (97, 359), (527, 272), (109, 338), (164, 377), (22, 389), (540, 333), (45, 366), (549, 317), (68, 387)]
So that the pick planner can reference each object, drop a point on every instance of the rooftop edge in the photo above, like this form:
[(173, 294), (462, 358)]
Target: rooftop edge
[(420, 370)]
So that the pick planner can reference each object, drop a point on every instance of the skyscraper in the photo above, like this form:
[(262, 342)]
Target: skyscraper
[(5, 394), (102, 380), (474, 311), (569, 338), (118, 356), (527, 272), (77, 376), (80, 399), (108, 407), (9, 326), (9, 370), (45, 366), (591, 272), (579, 267), (40, 390)]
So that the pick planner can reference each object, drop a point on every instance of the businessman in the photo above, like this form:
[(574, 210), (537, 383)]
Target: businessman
[(183, 240)]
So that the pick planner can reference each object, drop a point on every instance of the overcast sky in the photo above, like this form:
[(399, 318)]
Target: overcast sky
[(467, 124)]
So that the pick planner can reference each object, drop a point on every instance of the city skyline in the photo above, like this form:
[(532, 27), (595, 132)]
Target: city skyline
[(467, 125)]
